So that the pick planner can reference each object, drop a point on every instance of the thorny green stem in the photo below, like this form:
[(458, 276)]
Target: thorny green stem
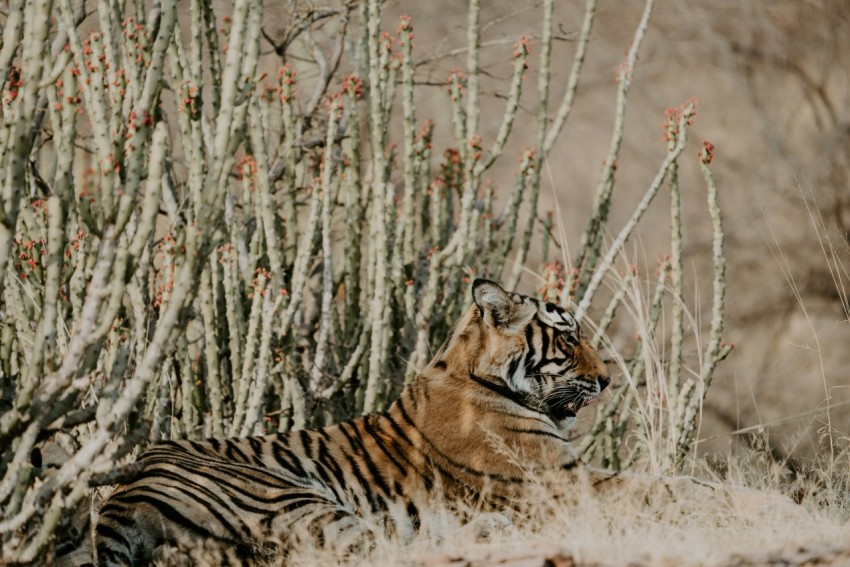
[(542, 125), (626, 231), (715, 351), (328, 170), (591, 240), (677, 306), (573, 81), (379, 215)]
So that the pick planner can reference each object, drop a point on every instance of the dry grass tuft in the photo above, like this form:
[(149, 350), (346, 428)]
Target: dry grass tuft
[(743, 517)]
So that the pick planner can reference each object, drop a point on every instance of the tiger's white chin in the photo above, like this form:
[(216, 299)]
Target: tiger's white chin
[(566, 423)]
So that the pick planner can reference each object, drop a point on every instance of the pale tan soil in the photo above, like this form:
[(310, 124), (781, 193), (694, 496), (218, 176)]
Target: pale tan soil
[(537, 555)]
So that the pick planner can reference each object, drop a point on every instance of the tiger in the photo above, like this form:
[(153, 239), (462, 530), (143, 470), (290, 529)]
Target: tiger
[(514, 368)]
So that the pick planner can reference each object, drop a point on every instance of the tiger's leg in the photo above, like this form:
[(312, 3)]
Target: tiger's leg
[(323, 525), (120, 539), (136, 521)]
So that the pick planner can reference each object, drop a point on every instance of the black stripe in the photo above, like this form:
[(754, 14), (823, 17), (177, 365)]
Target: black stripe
[(347, 435), (360, 478), (424, 391), (287, 459), (316, 528), (118, 514), (380, 443), (413, 395), (426, 478), (544, 344), (234, 453), (327, 459), (106, 532), (257, 448), (168, 511), (144, 493), (407, 417), (244, 471), (529, 339), (536, 432), (306, 443), (504, 391), (321, 470), (397, 428), (512, 366), (370, 462), (238, 492), (301, 500), (413, 514), (465, 468), (163, 450), (104, 553), (181, 484), (545, 420), (355, 444)]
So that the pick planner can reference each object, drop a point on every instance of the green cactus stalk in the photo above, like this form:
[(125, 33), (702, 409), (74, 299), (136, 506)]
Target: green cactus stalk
[(591, 240), (626, 231), (379, 220)]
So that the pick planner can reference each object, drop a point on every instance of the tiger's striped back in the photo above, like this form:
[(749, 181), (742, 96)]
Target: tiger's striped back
[(515, 371)]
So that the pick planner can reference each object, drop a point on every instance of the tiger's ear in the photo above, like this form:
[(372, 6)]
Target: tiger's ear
[(498, 309)]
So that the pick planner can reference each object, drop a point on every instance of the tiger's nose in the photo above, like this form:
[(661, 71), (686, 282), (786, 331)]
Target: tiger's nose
[(603, 382)]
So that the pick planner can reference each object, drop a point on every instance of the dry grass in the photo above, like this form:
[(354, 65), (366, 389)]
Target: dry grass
[(640, 521), (743, 516)]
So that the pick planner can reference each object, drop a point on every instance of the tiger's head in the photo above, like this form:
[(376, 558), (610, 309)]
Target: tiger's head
[(532, 349)]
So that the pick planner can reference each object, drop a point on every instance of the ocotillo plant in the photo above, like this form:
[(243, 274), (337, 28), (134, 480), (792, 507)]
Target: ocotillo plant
[(170, 263)]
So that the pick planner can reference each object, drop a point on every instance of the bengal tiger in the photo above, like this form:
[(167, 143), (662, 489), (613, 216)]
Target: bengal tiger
[(514, 368)]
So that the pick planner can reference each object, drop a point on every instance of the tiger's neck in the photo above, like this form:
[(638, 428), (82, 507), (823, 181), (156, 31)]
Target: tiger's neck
[(486, 426)]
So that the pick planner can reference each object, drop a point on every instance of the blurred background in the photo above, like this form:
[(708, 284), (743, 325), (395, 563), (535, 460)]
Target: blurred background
[(773, 81)]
